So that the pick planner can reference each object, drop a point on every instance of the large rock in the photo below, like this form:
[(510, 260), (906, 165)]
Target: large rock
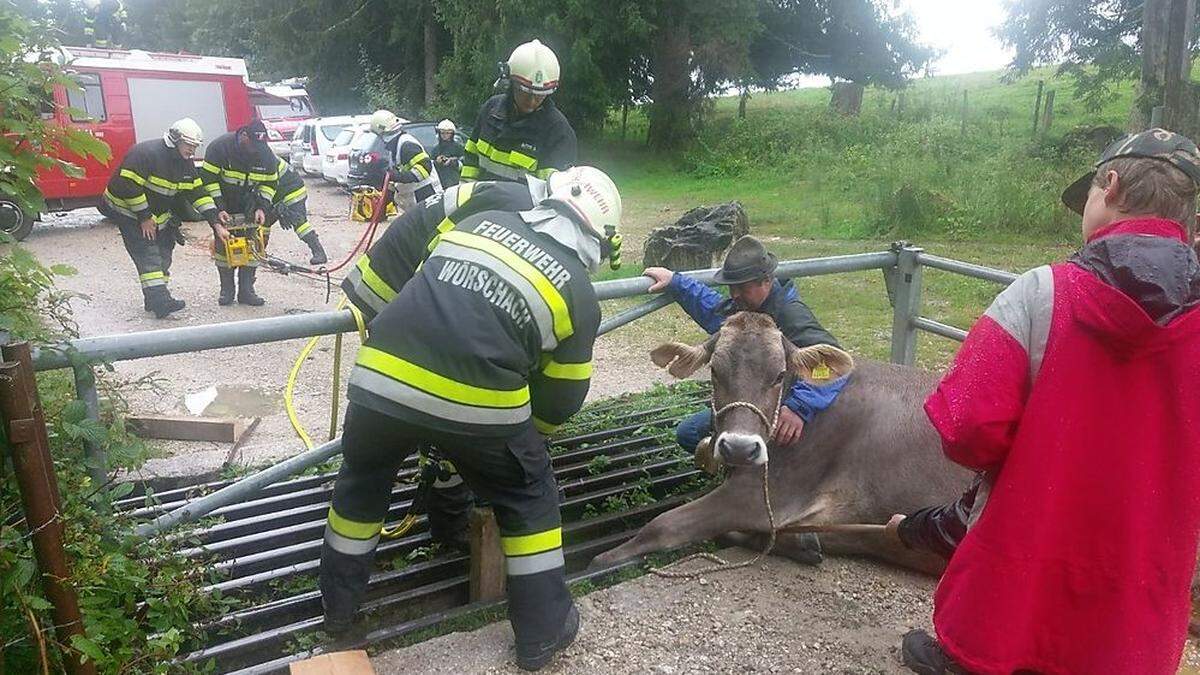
[(695, 240)]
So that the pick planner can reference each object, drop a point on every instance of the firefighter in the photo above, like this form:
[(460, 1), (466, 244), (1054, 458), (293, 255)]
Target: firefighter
[(413, 177), (488, 346), (104, 23), (520, 132), (145, 197), (391, 262), (379, 273), (240, 173), (447, 154), (289, 207)]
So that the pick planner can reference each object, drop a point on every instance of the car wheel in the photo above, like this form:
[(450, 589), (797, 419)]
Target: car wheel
[(15, 221)]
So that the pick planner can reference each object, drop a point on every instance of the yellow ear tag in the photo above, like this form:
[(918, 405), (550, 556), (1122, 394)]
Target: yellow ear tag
[(821, 372)]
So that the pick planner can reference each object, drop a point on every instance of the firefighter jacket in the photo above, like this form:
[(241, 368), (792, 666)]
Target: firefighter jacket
[(495, 329), (288, 188), (380, 273), (507, 146), (412, 169), (151, 182), (239, 178)]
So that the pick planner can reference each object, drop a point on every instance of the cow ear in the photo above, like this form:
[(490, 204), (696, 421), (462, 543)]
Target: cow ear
[(818, 364), (682, 360)]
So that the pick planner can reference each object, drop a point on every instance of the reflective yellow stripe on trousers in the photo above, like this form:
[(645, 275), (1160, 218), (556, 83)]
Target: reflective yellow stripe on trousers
[(533, 553)]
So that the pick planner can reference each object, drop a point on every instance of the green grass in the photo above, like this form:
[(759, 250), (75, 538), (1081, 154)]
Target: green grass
[(802, 171), (815, 183)]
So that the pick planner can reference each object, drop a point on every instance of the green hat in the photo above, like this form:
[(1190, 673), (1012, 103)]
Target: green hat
[(748, 260), (1168, 146)]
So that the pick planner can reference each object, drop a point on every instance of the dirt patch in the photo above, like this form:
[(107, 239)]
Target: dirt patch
[(777, 617)]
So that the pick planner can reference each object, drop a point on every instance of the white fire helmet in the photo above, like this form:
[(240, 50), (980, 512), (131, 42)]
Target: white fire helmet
[(534, 68), (185, 130), (385, 122), (592, 197), (446, 125)]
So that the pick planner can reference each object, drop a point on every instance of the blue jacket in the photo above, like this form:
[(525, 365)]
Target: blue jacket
[(795, 320)]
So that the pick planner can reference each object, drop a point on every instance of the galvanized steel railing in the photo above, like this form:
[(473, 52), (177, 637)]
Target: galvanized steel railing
[(901, 266)]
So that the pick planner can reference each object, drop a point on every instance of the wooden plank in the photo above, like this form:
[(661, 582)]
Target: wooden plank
[(236, 448), (338, 663), (183, 428), (487, 558)]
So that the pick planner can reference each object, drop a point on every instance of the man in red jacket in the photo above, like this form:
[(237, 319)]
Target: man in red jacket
[(1075, 395)]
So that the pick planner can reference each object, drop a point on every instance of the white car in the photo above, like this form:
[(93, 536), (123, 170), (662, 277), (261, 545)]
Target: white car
[(319, 136), (300, 145), (335, 165)]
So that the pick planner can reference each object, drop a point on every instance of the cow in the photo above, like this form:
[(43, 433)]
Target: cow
[(872, 454)]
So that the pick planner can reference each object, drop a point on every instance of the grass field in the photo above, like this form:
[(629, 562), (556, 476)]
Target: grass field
[(814, 184)]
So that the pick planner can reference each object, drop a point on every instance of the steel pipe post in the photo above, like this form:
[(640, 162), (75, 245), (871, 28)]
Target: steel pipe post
[(967, 269), (85, 391), (907, 281), (240, 490), (634, 313), (25, 431)]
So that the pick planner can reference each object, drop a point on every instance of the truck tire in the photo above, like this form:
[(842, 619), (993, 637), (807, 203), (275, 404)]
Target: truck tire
[(15, 221)]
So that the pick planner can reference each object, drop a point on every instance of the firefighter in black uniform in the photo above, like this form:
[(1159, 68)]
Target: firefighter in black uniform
[(379, 273), (289, 206), (374, 282), (521, 132), (240, 173), (413, 177), (104, 23), (487, 347), (447, 154), (145, 196)]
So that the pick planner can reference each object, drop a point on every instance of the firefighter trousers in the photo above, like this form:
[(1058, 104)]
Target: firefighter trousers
[(151, 257), (513, 474)]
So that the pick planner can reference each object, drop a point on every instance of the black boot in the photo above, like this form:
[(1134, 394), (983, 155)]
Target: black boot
[(314, 245), (246, 294), (535, 657), (922, 654), (226, 297), (159, 301)]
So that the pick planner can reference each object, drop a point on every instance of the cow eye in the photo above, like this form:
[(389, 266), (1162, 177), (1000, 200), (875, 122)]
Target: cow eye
[(779, 377)]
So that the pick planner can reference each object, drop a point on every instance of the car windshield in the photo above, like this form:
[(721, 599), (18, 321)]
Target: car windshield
[(331, 131), (425, 134), (364, 141), (344, 138), (297, 106)]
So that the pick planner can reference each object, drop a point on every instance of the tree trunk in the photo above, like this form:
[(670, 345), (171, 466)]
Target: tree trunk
[(847, 98), (431, 57), (670, 114), (1167, 28)]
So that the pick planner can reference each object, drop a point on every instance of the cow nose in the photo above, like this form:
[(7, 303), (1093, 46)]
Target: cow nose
[(738, 448)]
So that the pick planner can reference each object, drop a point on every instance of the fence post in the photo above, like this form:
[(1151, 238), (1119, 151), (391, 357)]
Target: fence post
[(907, 306), (487, 558), (1048, 113), (85, 390), (25, 429), (1037, 108)]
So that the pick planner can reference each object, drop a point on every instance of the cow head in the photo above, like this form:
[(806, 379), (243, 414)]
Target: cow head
[(751, 362)]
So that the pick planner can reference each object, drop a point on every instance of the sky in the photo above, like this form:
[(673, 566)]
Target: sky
[(962, 30)]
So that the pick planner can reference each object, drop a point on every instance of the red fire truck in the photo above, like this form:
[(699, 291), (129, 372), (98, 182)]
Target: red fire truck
[(128, 97)]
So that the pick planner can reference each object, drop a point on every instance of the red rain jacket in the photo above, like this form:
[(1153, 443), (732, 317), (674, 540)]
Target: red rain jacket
[(1085, 412)]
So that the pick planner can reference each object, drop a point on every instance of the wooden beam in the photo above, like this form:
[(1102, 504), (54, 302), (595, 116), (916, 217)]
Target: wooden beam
[(182, 428), (487, 558)]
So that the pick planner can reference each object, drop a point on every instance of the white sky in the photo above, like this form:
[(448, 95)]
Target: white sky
[(962, 30)]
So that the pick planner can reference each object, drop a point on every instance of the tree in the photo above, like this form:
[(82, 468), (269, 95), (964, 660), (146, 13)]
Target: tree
[(1101, 43), (30, 69)]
